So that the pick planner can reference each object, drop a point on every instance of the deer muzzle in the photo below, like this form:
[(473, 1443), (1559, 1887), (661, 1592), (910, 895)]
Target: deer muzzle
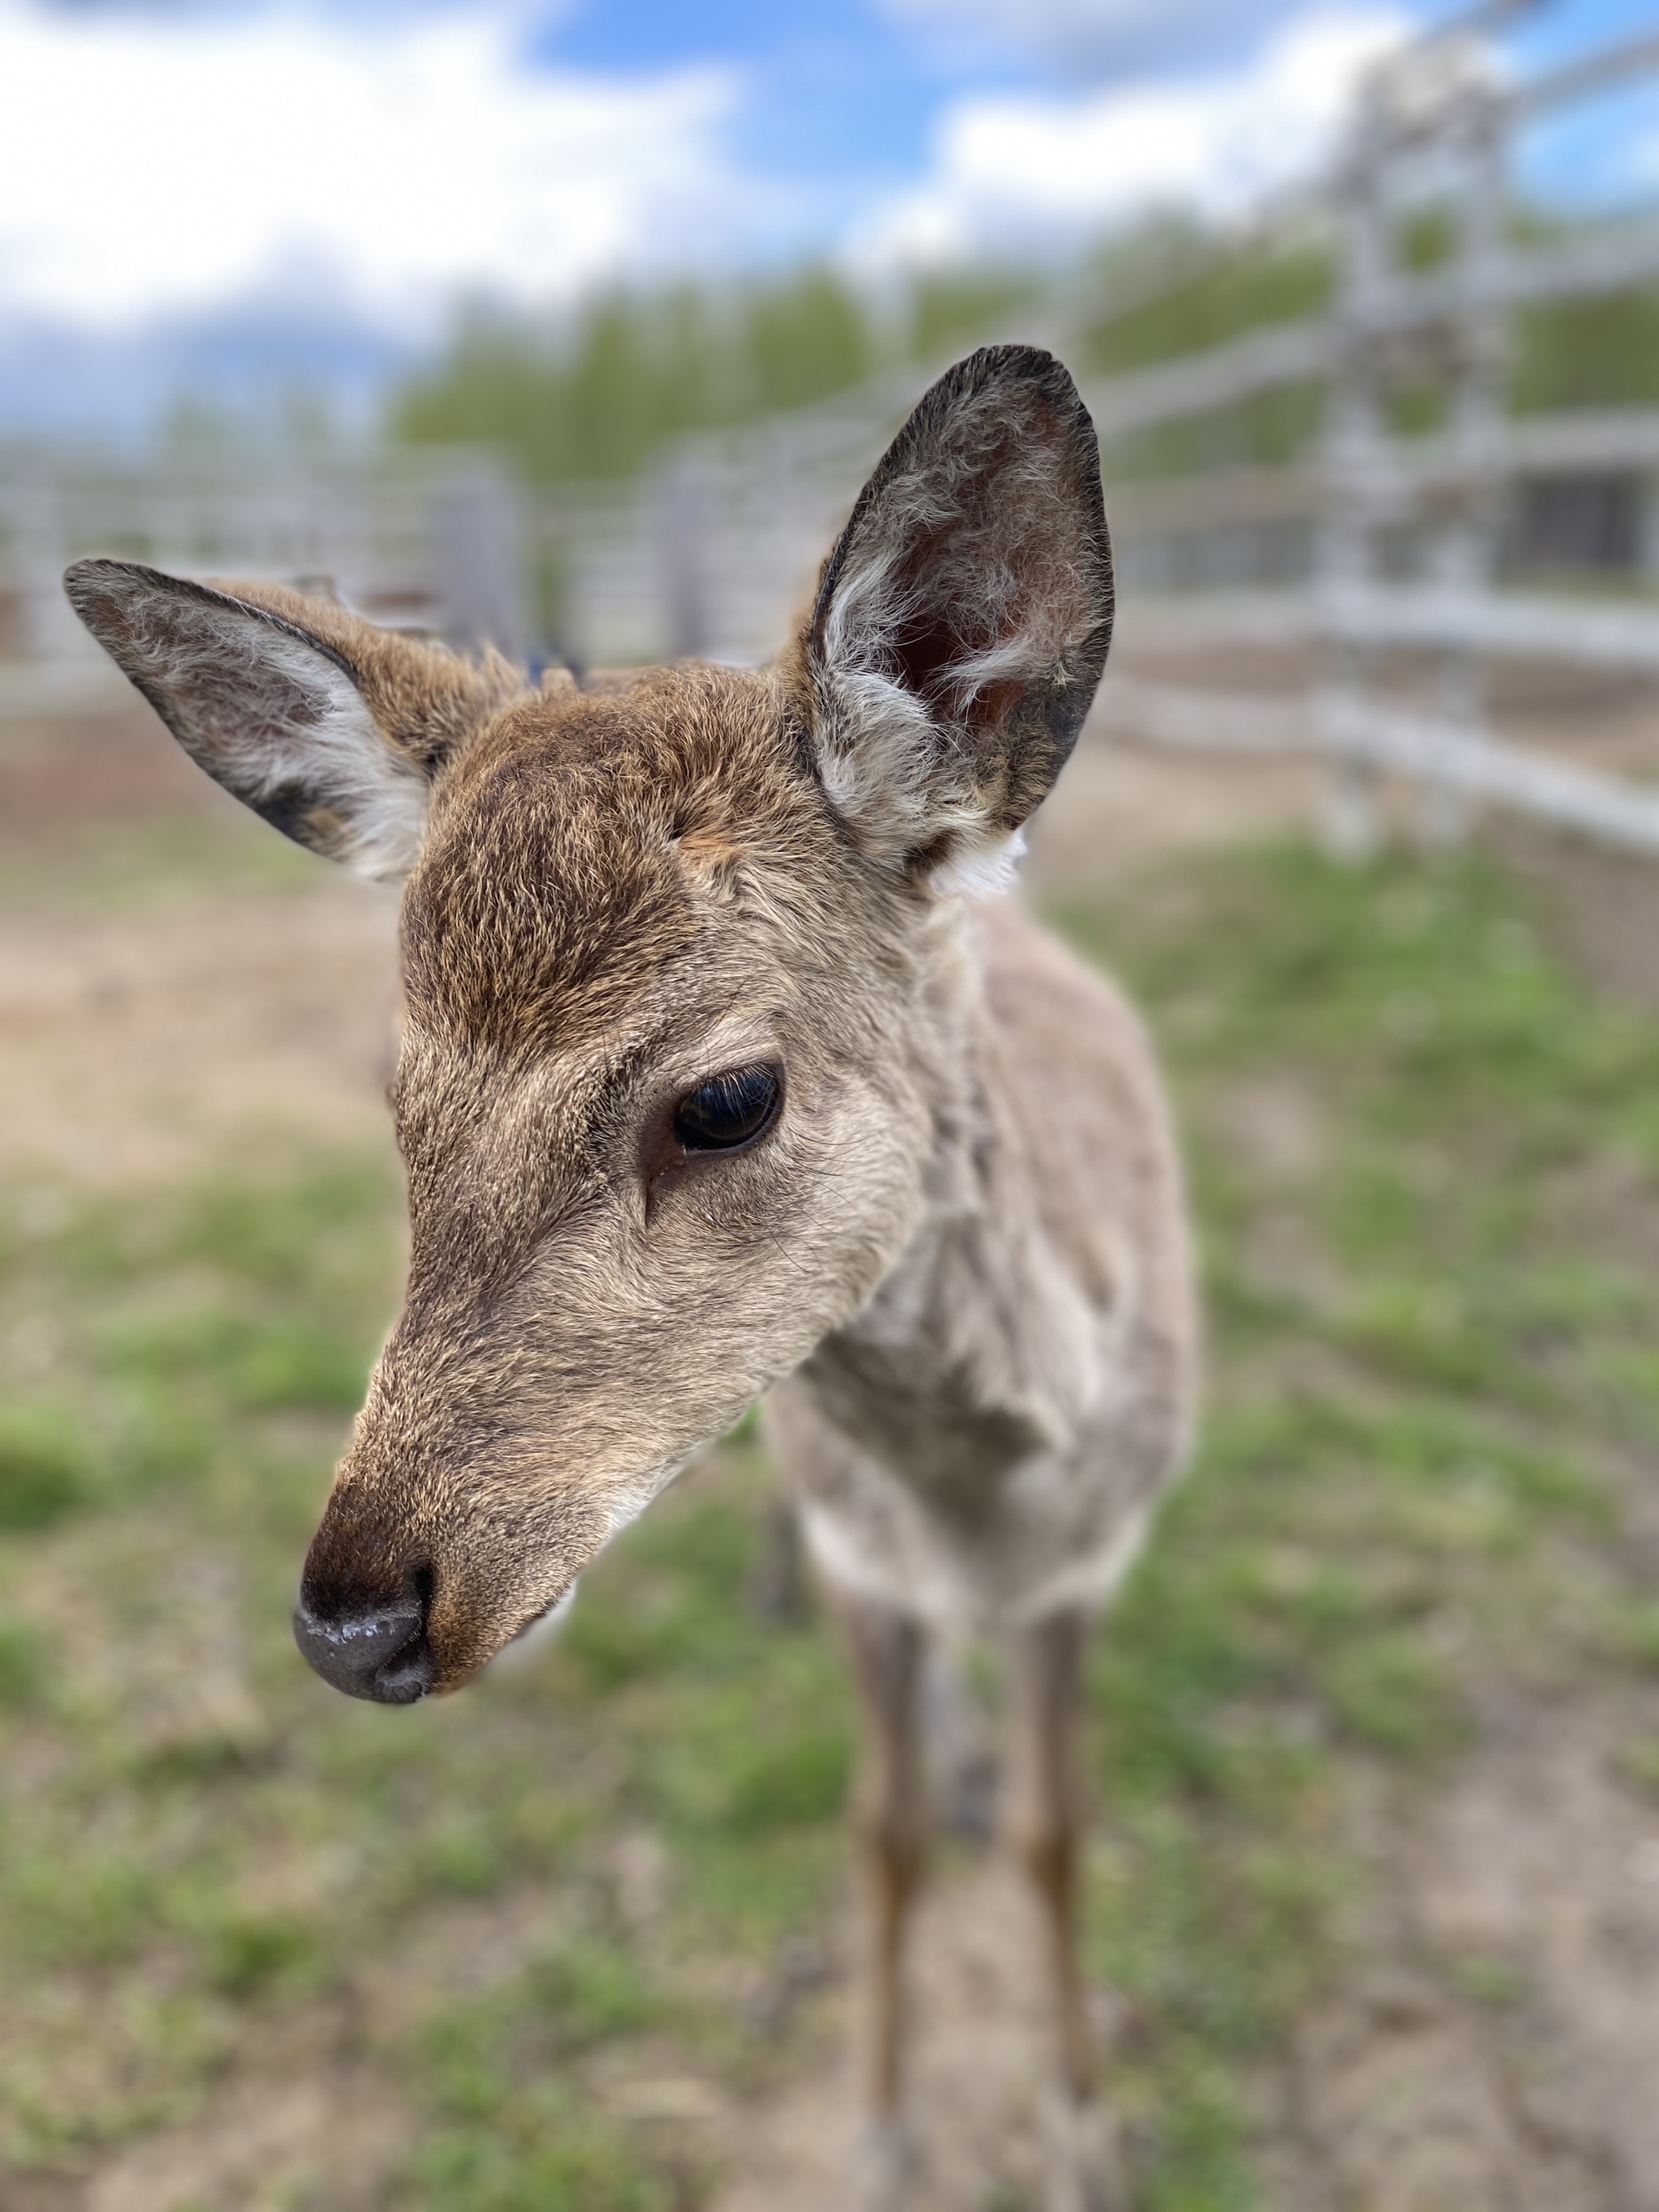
[(368, 1650)]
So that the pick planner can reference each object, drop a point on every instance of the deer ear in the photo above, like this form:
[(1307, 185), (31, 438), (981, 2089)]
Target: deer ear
[(329, 728), (962, 620)]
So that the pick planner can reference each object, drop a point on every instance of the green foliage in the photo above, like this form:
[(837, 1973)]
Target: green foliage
[(589, 1992), (43, 1470), (1491, 1981), (249, 1953), (184, 1316), (538, 2149), (1390, 1692), (260, 1363), (1584, 353), (802, 341), (22, 1664), (208, 1342), (734, 1734), (1426, 237), (514, 2130), (1275, 280), (88, 1907), (796, 1780), (1633, 1633), (954, 310), (1598, 352), (1640, 1764), (682, 1606), (464, 1857), (596, 397), (1226, 296)]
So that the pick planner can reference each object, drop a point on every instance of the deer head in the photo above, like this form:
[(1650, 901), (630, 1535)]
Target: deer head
[(667, 1084)]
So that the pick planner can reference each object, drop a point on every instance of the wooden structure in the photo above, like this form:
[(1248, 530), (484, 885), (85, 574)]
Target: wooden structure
[(1392, 571)]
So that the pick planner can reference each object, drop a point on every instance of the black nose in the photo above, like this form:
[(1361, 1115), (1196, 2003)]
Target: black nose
[(375, 1651)]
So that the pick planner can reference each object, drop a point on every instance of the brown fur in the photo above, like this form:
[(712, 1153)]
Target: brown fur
[(960, 1253)]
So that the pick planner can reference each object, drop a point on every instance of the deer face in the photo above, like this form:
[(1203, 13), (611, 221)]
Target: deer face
[(667, 1078), (658, 1133)]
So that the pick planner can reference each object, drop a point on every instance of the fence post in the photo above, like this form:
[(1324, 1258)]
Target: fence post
[(44, 548), (1344, 552), (682, 521), (476, 525), (1464, 553)]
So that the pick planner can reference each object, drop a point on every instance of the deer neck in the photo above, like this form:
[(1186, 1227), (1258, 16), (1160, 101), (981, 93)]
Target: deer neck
[(979, 1350)]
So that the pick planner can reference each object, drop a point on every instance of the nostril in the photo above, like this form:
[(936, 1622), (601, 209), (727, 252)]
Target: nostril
[(377, 1651)]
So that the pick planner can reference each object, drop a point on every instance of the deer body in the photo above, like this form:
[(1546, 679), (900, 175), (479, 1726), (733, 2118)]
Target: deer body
[(983, 1442), (720, 1077)]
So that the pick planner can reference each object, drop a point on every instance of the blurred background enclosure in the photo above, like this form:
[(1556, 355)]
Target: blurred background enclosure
[(1343, 418), (577, 329)]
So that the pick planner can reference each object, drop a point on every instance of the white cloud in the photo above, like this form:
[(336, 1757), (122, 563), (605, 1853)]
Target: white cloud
[(152, 164), (169, 164), (1011, 168), (1091, 35)]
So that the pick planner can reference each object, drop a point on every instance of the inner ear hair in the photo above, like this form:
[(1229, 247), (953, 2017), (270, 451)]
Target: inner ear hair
[(330, 729), (426, 699), (962, 620)]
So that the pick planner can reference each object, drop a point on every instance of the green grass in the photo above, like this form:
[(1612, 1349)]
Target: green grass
[(212, 1822), (1408, 1453), (1431, 1352), (511, 2132)]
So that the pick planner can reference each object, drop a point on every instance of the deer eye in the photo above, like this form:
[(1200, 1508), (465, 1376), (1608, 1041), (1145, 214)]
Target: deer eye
[(728, 1110)]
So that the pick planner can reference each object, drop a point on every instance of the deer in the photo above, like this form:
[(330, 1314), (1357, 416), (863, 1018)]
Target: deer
[(729, 1070)]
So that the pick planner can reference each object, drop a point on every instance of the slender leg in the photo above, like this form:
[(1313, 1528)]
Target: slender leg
[(1045, 1813), (1045, 1825), (891, 1816)]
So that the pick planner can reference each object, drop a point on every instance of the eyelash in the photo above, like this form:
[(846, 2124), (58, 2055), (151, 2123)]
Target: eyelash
[(728, 1111)]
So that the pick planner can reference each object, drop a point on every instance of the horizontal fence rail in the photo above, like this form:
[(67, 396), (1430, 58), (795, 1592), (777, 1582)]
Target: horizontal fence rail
[(1361, 553)]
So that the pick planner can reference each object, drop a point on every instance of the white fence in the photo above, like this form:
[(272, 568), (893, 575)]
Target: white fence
[(1376, 560), (429, 538), (1374, 553)]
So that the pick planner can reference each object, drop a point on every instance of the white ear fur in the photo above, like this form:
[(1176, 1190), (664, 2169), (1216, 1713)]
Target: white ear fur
[(877, 763), (273, 714), (981, 867), (340, 758)]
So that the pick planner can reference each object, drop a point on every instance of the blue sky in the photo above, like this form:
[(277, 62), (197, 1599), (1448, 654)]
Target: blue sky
[(349, 168), (847, 92)]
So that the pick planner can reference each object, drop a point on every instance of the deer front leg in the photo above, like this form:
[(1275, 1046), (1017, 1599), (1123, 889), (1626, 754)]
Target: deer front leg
[(1045, 1825), (891, 1822)]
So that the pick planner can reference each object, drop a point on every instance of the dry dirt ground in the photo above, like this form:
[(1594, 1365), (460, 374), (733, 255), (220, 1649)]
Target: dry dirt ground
[(148, 1024), (254, 1005)]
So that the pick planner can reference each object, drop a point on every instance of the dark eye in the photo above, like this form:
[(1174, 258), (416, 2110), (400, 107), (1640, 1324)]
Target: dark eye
[(727, 1110)]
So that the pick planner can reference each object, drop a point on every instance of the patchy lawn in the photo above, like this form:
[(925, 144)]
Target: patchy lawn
[(558, 1936)]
